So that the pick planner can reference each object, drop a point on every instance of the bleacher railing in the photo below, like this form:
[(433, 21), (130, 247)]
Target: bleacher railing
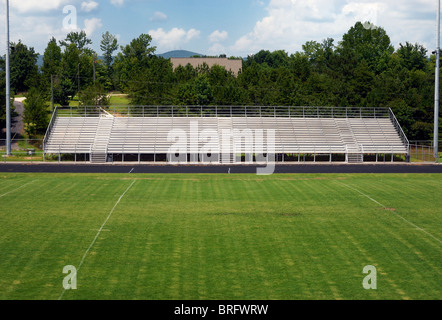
[(224, 111), (399, 129), (50, 127), (423, 151)]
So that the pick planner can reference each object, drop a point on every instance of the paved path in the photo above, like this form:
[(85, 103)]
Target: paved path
[(16, 123)]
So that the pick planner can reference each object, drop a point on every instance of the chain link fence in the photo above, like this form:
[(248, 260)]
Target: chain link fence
[(22, 150), (423, 151)]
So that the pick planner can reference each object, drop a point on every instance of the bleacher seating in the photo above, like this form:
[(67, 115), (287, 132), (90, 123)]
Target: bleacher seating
[(150, 135)]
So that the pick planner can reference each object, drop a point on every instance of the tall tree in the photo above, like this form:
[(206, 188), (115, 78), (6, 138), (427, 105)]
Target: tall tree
[(24, 69), (412, 57), (51, 68), (133, 58), (35, 116), (369, 44), (79, 39), (51, 59), (108, 45)]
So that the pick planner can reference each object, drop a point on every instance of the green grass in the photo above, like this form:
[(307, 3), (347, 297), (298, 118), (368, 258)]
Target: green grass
[(213, 237), (115, 100), (119, 100)]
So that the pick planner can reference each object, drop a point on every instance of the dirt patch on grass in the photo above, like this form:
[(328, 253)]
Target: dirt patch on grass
[(291, 214)]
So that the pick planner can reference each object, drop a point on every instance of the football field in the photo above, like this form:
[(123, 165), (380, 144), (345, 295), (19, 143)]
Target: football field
[(220, 237)]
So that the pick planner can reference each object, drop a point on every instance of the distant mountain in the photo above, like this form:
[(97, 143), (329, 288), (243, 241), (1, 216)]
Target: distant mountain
[(40, 61), (179, 54)]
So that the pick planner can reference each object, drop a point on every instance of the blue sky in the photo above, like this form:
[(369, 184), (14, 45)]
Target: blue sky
[(225, 20), (232, 27)]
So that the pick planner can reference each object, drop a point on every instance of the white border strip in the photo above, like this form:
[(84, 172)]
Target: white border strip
[(380, 204), (17, 188), (98, 233)]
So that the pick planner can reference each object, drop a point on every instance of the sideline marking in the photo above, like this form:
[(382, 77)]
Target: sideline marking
[(17, 188), (380, 204), (99, 231)]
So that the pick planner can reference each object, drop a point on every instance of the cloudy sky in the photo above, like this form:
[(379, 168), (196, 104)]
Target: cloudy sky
[(232, 27)]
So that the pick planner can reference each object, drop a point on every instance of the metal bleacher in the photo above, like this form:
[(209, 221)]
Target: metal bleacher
[(297, 130)]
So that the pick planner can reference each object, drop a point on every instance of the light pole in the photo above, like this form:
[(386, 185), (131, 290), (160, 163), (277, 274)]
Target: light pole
[(8, 86), (436, 99)]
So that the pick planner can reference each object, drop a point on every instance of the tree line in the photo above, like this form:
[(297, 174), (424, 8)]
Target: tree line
[(361, 70)]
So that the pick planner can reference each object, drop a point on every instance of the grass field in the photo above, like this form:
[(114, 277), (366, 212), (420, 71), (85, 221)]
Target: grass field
[(213, 237)]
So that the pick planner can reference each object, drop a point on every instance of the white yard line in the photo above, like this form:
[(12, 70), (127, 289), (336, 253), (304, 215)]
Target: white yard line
[(17, 188), (365, 195), (380, 204), (98, 233)]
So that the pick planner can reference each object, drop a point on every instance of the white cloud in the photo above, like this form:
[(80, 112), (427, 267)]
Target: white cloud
[(158, 17), (217, 49), (290, 23), (30, 35), (117, 2), (174, 38), (218, 36), (90, 25), (192, 33), (32, 6), (89, 6)]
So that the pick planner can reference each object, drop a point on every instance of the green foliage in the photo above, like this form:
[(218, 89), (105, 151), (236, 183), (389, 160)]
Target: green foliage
[(369, 44), (108, 45), (35, 115), (52, 58), (94, 95), (132, 59), (24, 70), (79, 40)]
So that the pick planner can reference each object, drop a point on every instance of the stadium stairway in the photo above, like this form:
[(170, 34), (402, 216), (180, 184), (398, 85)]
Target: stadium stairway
[(225, 126), (354, 153), (99, 147)]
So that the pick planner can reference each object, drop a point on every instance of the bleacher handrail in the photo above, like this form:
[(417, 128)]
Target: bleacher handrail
[(399, 129), (178, 111), (50, 126)]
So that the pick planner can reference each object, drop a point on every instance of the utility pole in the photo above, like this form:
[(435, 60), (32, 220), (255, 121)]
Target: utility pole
[(52, 92), (436, 99), (94, 68), (78, 81), (8, 86)]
